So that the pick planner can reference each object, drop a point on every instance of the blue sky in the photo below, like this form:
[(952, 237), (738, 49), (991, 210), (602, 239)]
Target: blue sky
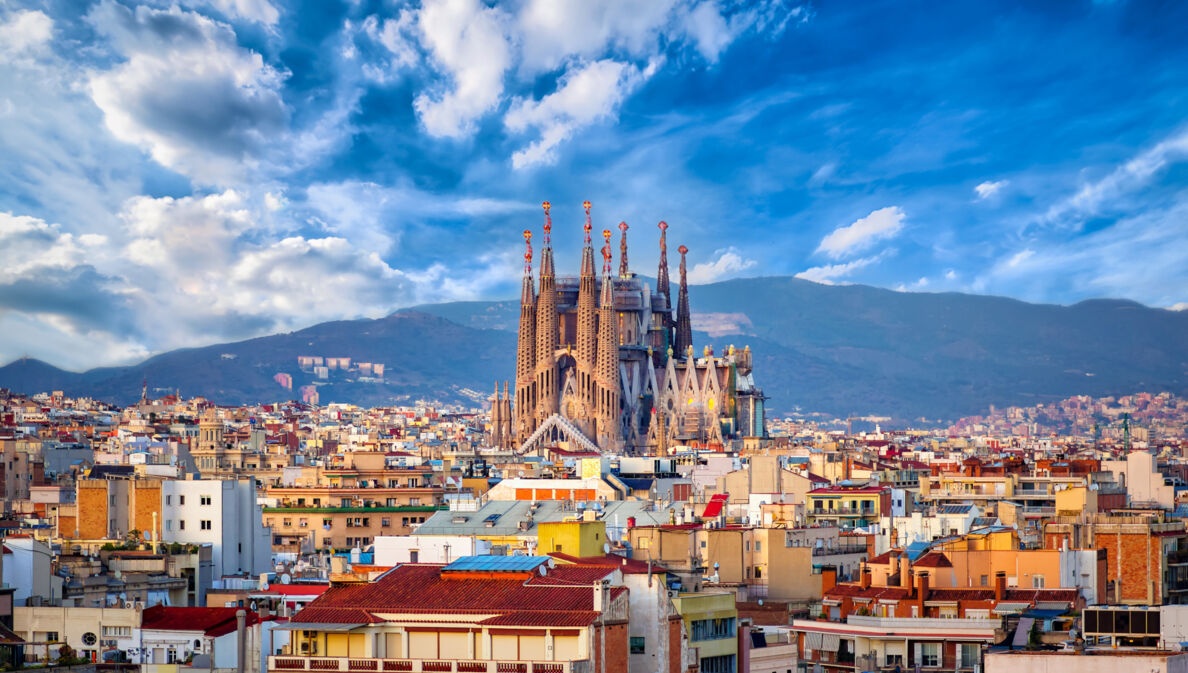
[(181, 174)]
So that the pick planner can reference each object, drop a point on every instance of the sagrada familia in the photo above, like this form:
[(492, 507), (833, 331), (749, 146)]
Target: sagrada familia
[(603, 364)]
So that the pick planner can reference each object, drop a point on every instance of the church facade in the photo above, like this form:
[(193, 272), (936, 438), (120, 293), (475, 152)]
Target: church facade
[(605, 362)]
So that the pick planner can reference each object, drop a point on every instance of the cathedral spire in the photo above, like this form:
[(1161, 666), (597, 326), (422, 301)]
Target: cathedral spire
[(526, 350), (587, 330), (547, 387), (662, 272), (607, 372), (684, 329), (623, 272)]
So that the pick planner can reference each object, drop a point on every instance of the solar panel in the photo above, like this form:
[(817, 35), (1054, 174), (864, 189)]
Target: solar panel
[(496, 563)]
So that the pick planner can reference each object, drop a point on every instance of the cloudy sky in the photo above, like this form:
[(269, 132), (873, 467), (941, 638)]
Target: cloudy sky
[(175, 174)]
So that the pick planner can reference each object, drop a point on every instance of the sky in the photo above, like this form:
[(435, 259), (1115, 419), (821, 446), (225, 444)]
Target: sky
[(184, 173)]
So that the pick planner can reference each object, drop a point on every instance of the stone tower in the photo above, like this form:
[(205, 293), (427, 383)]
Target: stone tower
[(623, 270), (607, 372), (548, 400), (587, 335), (526, 350), (683, 340)]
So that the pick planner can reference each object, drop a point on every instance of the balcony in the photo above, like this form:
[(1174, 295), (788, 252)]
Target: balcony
[(948, 624), (841, 549), (297, 664)]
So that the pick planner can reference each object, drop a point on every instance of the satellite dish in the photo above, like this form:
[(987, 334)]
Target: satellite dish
[(760, 602), (605, 547), (285, 578), (541, 569)]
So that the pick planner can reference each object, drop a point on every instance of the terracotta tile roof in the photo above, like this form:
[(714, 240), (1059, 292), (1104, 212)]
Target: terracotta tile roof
[(933, 559), (211, 621), (563, 597), (621, 563)]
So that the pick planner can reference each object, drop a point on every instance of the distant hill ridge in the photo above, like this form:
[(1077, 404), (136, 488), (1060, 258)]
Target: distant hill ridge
[(842, 350)]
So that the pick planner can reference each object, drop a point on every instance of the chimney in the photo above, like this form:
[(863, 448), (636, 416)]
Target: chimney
[(922, 590), (999, 585), (864, 581), (905, 571), (241, 639), (828, 578), (601, 596)]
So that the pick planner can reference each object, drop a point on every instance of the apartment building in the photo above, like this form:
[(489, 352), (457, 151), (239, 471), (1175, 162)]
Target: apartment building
[(847, 506), (1146, 553), (711, 620), (478, 613), (223, 514)]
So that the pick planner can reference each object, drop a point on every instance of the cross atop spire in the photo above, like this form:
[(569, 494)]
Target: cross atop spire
[(548, 226), (589, 226), (623, 251), (606, 252), (527, 251)]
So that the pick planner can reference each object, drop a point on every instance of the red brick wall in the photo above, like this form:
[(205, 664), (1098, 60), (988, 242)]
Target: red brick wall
[(675, 646), (1133, 561)]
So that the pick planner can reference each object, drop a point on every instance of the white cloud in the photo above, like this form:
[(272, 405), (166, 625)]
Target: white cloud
[(469, 42), (729, 263), (830, 273), (951, 274), (175, 58), (585, 95), (607, 46), (1181, 306), (988, 189), (1020, 257), (554, 31), (1132, 175), (863, 233), (260, 11), (23, 33)]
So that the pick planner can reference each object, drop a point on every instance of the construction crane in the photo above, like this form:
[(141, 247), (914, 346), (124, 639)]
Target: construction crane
[(1126, 432)]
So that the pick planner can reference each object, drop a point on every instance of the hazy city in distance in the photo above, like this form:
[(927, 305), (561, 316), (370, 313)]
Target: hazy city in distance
[(593, 336)]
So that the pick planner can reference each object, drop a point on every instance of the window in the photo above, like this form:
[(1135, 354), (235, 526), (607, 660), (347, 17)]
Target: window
[(204, 500), (168, 524), (205, 524), (720, 664), (181, 499), (385, 522), (758, 573), (929, 654), (51, 636), (713, 629), (969, 655), (181, 524), (1037, 581), (637, 644), (117, 630), (758, 546), (414, 502), (169, 500), (985, 580)]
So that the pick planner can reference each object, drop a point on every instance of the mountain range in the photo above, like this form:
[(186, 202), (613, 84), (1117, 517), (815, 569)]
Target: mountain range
[(842, 350)]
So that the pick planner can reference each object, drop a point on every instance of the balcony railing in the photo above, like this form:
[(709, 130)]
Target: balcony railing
[(844, 549), (923, 622), (296, 664)]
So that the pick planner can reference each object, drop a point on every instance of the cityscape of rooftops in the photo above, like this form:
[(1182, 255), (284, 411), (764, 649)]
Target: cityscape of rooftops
[(593, 336)]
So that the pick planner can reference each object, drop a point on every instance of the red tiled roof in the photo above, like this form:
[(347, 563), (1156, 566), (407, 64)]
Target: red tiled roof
[(212, 621), (933, 559), (621, 563), (556, 598), (292, 590)]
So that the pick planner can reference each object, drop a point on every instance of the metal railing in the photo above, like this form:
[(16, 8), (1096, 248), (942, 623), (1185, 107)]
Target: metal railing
[(924, 622), (296, 664)]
